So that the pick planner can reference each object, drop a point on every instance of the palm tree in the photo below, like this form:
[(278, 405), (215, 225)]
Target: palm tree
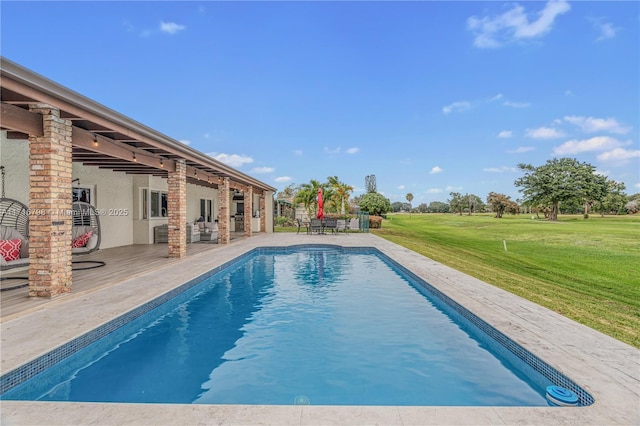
[(307, 195), (341, 190), (409, 199)]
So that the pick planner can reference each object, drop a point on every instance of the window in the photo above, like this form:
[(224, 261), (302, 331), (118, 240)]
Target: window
[(205, 209), (154, 204)]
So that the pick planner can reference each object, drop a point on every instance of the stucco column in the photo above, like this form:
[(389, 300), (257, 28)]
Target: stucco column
[(223, 219), (263, 215), (50, 217), (177, 210), (248, 212)]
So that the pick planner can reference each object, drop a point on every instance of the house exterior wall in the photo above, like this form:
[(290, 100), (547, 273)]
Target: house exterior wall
[(112, 199), (117, 196), (14, 156), (143, 228), (194, 194)]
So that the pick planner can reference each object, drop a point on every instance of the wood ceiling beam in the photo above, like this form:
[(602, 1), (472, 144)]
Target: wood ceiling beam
[(85, 139), (21, 120)]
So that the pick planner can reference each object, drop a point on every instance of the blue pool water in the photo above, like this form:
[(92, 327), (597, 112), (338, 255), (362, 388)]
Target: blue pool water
[(318, 326)]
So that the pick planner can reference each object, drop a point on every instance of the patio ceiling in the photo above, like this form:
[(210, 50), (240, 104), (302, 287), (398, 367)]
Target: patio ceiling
[(103, 137)]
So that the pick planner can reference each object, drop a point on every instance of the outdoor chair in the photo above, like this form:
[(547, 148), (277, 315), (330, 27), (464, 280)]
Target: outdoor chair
[(331, 224), (354, 224), (86, 231), (316, 225), (300, 225), (14, 246), (342, 225)]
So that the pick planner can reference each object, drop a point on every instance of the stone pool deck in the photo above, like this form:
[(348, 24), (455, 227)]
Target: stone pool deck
[(606, 368)]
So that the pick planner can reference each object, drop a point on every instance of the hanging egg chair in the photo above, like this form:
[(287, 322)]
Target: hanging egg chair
[(14, 214), (86, 228)]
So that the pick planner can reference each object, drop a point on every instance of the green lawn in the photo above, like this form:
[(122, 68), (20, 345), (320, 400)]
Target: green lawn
[(587, 270)]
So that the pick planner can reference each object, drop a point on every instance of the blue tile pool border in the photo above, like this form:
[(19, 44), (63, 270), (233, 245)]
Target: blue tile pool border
[(32, 368)]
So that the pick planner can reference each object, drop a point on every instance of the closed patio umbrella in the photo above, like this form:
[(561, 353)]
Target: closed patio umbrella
[(320, 205)]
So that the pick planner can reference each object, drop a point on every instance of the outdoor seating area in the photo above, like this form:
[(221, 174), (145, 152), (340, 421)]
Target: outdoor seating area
[(328, 226), (208, 231)]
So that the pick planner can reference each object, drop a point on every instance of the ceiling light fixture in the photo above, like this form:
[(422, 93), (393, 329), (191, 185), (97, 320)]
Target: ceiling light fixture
[(135, 160), (95, 140)]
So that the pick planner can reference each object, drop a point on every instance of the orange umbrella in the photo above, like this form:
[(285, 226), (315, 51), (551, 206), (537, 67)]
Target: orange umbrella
[(320, 205)]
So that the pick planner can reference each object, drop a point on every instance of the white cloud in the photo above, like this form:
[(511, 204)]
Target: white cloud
[(544, 133), (501, 169), (184, 141), (434, 191), (282, 179), (233, 160), (436, 169), (401, 187), (496, 97), (453, 188), (330, 151), (637, 185), (521, 149), (505, 134), (605, 29), (514, 24), (353, 150), (457, 107), (593, 124), (598, 143), (516, 104), (171, 27), (619, 155), (297, 152), (259, 170)]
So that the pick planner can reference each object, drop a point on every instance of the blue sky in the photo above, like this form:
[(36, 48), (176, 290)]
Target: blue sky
[(430, 97)]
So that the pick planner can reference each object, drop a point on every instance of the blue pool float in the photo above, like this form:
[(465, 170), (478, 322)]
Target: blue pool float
[(557, 396)]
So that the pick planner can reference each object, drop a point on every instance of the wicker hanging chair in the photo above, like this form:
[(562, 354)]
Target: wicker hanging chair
[(86, 218), (15, 215)]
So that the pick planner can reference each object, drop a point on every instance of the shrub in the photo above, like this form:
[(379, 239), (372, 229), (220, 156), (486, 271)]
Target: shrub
[(285, 221), (375, 222)]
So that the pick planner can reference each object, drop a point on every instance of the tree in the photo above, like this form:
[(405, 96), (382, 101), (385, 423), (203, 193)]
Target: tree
[(500, 203), (614, 199), (557, 181), (370, 183), (307, 195), (409, 198), (457, 203), (438, 207), (341, 190), (422, 208), (287, 193), (474, 203), (374, 203)]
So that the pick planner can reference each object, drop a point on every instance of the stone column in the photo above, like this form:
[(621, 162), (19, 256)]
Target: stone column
[(248, 212), (177, 210), (263, 215), (223, 219), (50, 220)]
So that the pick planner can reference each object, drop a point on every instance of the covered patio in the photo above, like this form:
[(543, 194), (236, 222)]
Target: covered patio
[(54, 140)]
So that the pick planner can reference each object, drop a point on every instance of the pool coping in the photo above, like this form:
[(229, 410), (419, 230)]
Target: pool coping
[(606, 368)]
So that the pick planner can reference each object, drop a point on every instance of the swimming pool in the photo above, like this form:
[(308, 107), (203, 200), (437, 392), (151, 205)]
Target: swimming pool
[(287, 312)]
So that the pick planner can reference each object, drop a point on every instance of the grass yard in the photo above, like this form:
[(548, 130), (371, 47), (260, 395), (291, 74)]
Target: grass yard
[(587, 270)]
